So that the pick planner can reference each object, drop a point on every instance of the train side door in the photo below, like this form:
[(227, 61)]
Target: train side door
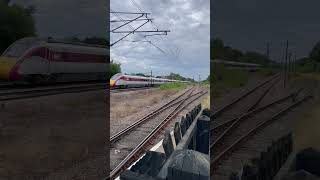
[(50, 59)]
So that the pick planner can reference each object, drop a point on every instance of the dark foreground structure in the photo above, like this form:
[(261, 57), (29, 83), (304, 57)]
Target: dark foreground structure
[(188, 160)]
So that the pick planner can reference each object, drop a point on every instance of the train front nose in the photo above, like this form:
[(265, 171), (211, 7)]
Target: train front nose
[(112, 83), (6, 66)]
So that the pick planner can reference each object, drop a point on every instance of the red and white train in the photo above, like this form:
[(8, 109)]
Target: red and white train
[(121, 80), (38, 60)]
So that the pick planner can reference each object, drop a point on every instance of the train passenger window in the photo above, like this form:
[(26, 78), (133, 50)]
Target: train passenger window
[(40, 52), (57, 56)]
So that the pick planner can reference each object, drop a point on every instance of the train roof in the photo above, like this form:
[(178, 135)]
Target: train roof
[(24, 44), (234, 63), (141, 77)]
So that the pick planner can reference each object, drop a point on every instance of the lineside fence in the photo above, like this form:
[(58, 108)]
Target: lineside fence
[(267, 165)]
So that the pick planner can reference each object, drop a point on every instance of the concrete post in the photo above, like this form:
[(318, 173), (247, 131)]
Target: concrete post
[(203, 134), (189, 120), (167, 143), (177, 132), (183, 125)]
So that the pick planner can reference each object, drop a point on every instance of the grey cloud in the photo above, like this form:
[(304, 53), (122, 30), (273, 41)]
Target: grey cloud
[(62, 18), (248, 25), (188, 34)]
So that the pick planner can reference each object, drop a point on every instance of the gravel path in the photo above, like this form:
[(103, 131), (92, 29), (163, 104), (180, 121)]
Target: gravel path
[(43, 135)]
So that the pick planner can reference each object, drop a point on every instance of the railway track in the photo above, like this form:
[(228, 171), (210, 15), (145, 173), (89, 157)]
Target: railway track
[(15, 94), (4, 86), (129, 89), (148, 116), (244, 103), (137, 138), (230, 134)]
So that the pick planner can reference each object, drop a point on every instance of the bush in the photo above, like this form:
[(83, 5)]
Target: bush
[(174, 86)]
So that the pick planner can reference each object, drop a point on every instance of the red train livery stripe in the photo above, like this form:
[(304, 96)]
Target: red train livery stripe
[(64, 56), (14, 74), (132, 79), (78, 57)]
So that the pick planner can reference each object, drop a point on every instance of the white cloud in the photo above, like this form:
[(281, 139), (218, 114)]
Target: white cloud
[(186, 46)]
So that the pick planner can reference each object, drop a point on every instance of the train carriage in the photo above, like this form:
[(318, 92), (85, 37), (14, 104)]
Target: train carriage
[(36, 60), (121, 80)]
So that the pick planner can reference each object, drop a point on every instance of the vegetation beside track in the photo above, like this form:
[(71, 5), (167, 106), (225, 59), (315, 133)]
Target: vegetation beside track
[(306, 132), (301, 76), (173, 86), (206, 102), (225, 78)]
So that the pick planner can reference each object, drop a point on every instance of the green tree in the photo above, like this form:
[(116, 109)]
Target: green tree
[(16, 22), (140, 74), (95, 40), (315, 52), (72, 39), (178, 77), (114, 68), (217, 49), (220, 51), (255, 57)]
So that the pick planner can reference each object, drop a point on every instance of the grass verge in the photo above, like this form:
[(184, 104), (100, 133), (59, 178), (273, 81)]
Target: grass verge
[(173, 86), (226, 78), (206, 102), (306, 132)]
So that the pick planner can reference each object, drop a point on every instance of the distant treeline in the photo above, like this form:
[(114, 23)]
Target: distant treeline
[(16, 22), (178, 77), (220, 51), (310, 63), (173, 76), (114, 68), (88, 40)]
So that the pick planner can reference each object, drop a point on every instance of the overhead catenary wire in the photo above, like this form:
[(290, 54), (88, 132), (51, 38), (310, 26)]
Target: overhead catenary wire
[(117, 14), (126, 20), (157, 27), (134, 3)]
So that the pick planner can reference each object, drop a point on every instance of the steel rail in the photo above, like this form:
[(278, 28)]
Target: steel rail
[(223, 109), (247, 115), (143, 146), (254, 106), (263, 95), (148, 116), (252, 131), (6, 96), (130, 89)]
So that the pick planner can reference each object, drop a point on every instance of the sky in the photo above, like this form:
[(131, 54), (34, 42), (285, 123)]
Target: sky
[(185, 49), (250, 24), (66, 18)]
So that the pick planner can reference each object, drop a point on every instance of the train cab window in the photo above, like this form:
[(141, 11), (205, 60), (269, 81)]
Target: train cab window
[(57, 56), (116, 76), (20, 47)]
